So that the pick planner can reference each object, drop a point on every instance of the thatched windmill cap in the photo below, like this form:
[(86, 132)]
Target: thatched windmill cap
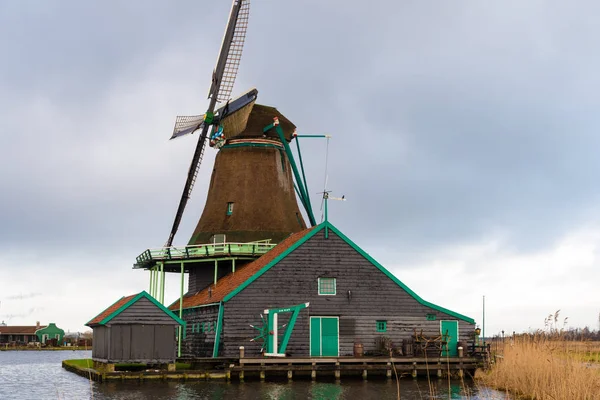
[(250, 121)]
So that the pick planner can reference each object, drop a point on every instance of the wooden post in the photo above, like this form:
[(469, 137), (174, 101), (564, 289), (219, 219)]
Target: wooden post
[(242, 375), (313, 372), (289, 373), (414, 371), (439, 370), (364, 373), (388, 372), (337, 371), (262, 371)]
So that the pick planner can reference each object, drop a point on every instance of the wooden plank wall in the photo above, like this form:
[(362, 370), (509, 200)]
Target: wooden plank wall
[(143, 311), (373, 296), (199, 344), (100, 342), (143, 343)]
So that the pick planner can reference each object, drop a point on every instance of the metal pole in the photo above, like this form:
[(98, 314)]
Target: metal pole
[(162, 283), (180, 313), (326, 223), (216, 264), (484, 320)]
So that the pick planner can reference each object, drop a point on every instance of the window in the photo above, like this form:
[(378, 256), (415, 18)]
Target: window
[(430, 317), (229, 208), (381, 326), (326, 286)]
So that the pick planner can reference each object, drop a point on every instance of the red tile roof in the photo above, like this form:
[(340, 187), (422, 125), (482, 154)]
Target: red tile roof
[(233, 280), (121, 302), (20, 330)]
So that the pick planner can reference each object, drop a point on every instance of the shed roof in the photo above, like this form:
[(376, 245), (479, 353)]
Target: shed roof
[(125, 302), (20, 330)]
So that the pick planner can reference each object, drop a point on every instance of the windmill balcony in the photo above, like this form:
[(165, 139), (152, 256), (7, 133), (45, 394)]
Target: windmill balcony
[(151, 257)]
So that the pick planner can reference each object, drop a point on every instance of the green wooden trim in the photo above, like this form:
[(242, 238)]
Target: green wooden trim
[(218, 331), (396, 280), (361, 252), (381, 325), (275, 261), (291, 323), (324, 293), (136, 298)]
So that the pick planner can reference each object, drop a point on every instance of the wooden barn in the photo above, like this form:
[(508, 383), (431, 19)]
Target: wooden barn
[(315, 294), (136, 328)]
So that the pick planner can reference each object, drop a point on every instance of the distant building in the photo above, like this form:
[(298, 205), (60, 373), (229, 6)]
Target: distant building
[(20, 335)]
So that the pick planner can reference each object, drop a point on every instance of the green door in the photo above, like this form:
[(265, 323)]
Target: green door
[(449, 331), (324, 336)]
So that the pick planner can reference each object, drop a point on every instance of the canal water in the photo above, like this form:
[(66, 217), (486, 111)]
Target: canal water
[(39, 375)]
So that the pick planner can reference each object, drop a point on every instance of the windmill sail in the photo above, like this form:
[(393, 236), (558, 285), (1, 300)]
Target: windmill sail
[(232, 45), (225, 72)]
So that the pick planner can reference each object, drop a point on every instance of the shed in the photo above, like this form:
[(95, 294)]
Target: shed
[(136, 328)]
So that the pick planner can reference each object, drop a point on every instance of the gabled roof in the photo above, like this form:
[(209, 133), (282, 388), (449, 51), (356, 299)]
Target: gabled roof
[(125, 302), (234, 283), (234, 280), (20, 330)]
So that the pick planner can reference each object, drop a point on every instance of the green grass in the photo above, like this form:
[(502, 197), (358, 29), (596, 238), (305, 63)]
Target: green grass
[(81, 363), (88, 363)]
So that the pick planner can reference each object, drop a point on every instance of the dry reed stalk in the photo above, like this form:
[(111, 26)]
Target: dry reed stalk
[(540, 368)]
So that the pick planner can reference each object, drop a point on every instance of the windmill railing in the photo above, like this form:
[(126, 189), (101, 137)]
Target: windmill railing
[(151, 256)]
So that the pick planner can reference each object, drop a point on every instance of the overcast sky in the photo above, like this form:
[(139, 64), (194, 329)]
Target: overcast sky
[(465, 138)]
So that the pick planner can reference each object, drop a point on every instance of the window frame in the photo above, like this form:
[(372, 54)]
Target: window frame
[(229, 207), (381, 328), (334, 286)]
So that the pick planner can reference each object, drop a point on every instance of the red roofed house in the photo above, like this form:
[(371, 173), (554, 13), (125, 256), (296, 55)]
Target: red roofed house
[(21, 335), (326, 294)]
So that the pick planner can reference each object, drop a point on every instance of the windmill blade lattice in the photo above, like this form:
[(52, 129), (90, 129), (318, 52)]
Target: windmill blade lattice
[(234, 55), (221, 86)]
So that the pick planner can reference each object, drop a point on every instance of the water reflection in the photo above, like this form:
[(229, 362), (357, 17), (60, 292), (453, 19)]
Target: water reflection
[(38, 375)]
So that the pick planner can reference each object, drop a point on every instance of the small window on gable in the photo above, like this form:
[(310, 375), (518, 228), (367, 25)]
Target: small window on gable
[(327, 286), (430, 317), (229, 208), (381, 326)]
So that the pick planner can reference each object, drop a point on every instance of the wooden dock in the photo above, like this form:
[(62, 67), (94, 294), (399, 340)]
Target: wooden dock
[(322, 368), (338, 367)]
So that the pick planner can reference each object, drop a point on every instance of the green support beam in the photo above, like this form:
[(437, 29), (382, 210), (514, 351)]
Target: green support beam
[(218, 331), (301, 165), (301, 187), (273, 348), (180, 312)]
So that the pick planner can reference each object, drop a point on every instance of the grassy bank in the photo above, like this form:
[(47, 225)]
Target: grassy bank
[(540, 368), (88, 363)]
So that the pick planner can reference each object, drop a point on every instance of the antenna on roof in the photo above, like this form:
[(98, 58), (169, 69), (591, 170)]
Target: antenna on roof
[(327, 197)]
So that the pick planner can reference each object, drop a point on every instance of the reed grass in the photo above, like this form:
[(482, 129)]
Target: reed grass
[(542, 367)]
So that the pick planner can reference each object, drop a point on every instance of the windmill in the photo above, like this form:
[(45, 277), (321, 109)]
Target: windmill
[(251, 203), (223, 79)]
